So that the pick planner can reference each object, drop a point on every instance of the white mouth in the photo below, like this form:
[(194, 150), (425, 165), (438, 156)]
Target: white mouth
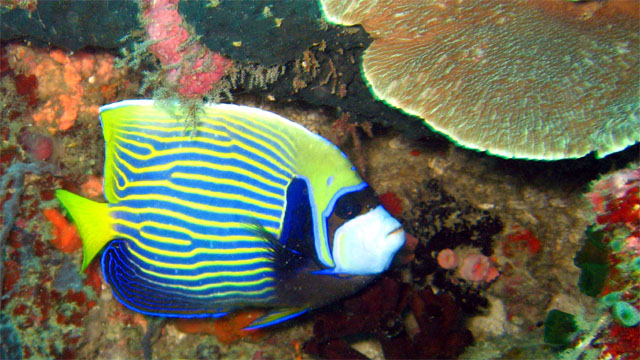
[(367, 244), (397, 230)]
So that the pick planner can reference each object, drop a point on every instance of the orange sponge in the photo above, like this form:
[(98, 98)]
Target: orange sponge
[(228, 329), (66, 238)]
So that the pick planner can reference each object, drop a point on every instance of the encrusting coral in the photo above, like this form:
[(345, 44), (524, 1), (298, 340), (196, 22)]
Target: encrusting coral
[(228, 329), (69, 86)]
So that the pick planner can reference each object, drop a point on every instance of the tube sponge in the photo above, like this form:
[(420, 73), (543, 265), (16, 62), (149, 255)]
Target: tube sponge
[(625, 314)]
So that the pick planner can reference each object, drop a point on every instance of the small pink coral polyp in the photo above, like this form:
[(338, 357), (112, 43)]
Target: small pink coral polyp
[(447, 259), (475, 267)]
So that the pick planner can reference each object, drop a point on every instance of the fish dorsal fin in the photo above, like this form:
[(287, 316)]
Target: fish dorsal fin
[(93, 221), (275, 317)]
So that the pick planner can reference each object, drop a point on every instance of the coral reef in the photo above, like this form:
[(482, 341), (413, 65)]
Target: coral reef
[(453, 202), (610, 263), (42, 293), (441, 223), (43, 297), (11, 189), (576, 93)]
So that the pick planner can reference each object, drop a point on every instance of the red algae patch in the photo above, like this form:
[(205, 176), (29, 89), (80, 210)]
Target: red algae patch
[(66, 237), (40, 146)]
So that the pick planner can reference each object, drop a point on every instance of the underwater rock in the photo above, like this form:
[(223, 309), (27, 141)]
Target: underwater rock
[(261, 31), (72, 25)]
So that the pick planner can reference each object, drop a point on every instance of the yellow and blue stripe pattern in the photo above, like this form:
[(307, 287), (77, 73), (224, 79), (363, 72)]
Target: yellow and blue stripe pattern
[(184, 205), (194, 221)]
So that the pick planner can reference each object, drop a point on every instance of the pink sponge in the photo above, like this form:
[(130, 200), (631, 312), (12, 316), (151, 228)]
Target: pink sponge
[(193, 68)]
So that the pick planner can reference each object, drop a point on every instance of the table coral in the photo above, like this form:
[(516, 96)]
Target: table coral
[(69, 86), (527, 79)]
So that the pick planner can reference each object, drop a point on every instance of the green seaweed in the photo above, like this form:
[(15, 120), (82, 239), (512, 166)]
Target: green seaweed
[(559, 328), (593, 260)]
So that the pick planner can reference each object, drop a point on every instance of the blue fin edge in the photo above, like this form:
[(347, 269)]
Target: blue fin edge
[(275, 317)]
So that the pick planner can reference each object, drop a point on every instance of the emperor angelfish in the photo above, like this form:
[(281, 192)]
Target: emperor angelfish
[(251, 210)]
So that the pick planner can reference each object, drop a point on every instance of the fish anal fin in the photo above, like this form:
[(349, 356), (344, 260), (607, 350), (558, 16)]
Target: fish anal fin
[(275, 317)]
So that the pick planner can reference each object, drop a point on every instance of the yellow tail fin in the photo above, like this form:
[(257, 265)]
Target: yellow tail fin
[(93, 221)]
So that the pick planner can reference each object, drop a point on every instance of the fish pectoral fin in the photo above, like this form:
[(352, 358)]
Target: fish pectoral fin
[(275, 317)]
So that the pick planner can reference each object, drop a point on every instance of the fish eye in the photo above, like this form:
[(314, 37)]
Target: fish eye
[(347, 207), (355, 203)]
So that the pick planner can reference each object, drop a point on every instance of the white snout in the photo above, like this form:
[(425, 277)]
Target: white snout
[(366, 244)]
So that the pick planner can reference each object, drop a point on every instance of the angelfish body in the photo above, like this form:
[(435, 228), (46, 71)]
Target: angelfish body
[(252, 210)]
